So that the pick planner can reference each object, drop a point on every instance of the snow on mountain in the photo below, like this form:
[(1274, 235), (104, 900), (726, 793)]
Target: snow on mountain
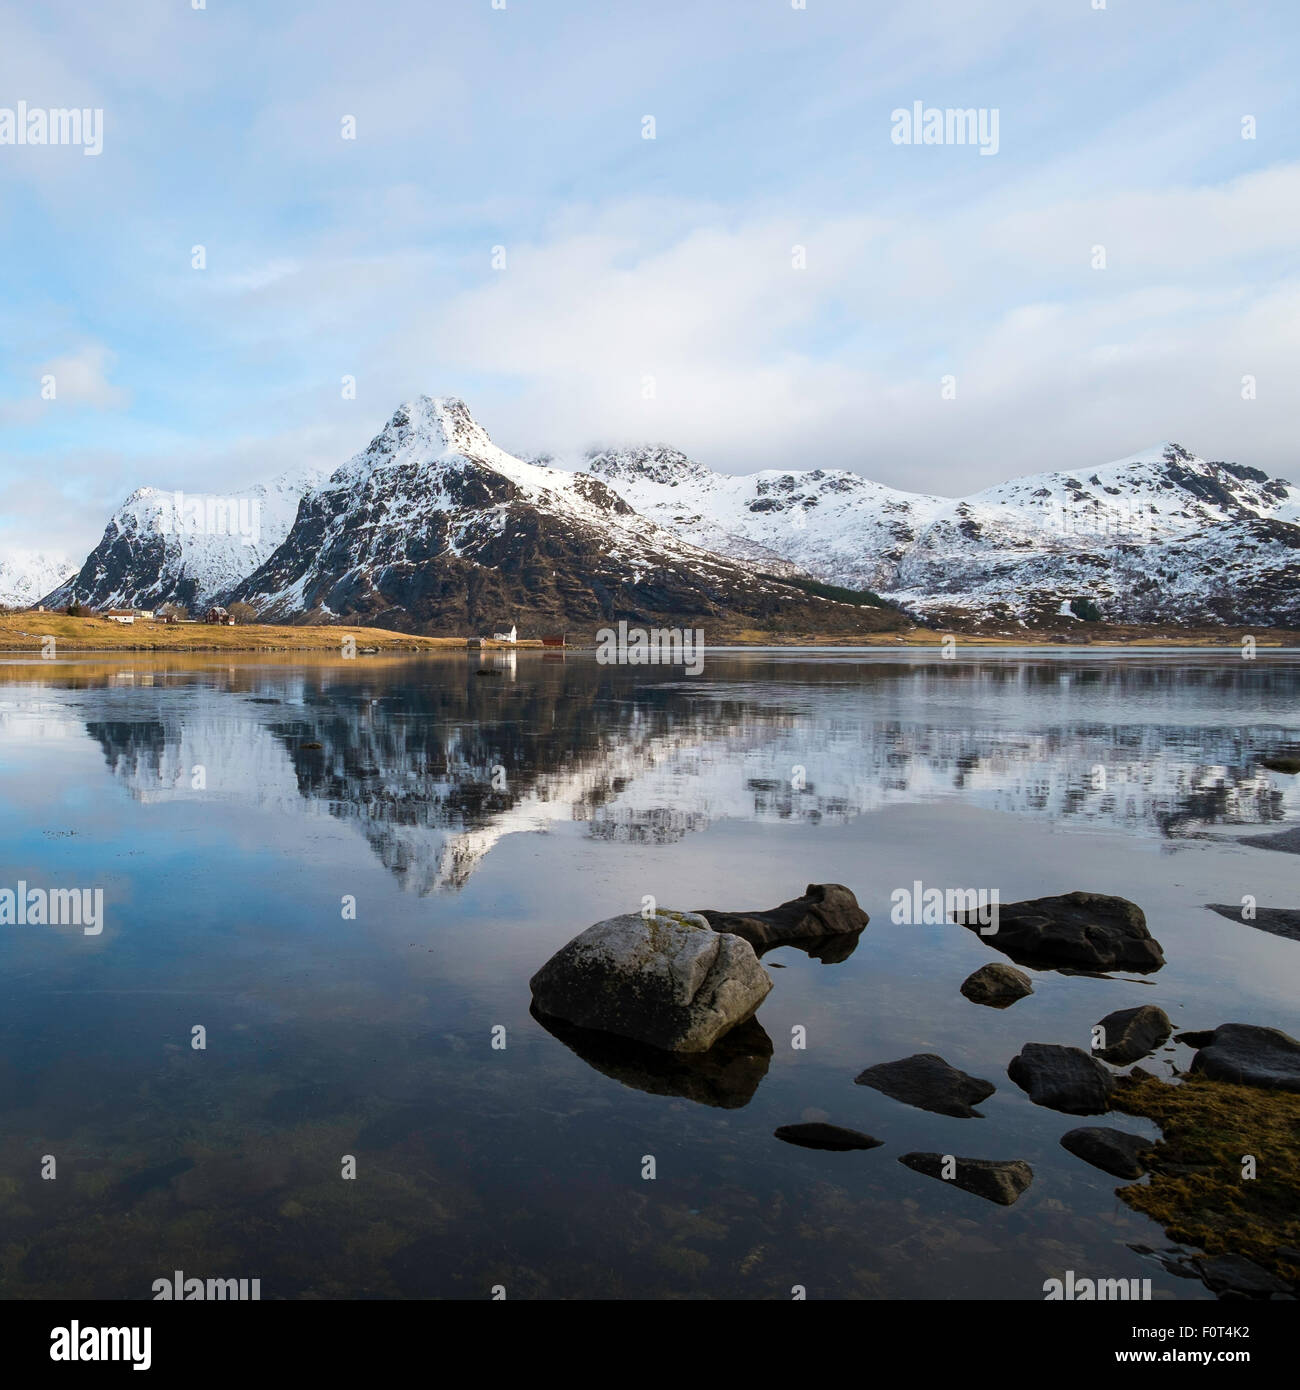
[(830, 523), (1160, 536), (433, 527), (26, 575), (187, 548)]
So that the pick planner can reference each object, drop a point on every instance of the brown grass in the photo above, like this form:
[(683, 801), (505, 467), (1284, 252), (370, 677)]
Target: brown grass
[(22, 632)]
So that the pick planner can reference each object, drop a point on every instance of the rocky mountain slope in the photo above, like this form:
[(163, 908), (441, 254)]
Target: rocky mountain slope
[(191, 548), (27, 575), (1163, 536), (432, 528)]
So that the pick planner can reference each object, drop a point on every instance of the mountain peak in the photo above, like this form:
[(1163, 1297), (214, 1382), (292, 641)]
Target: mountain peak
[(441, 422), (656, 463)]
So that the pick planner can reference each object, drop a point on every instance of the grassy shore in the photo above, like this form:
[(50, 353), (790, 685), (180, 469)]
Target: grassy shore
[(25, 631)]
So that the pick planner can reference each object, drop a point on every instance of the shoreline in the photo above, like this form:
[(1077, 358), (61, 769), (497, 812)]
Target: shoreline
[(27, 633)]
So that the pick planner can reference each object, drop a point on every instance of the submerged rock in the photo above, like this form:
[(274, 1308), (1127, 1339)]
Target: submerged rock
[(669, 980), (1111, 1150), (1133, 1033), (1234, 1276), (1089, 931), (825, 910), (999, 1180), (725, 1077), (1281, 763), (1062, 1078), (1248, 1055), (822, 1136), (1278, 921), (929, 1083), (997, 985), (1288, 841)]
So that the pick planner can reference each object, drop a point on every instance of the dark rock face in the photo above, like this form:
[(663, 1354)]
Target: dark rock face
[(725, 1077), (997, 985), (995, 1179), (929, 1083), (1277, 921), (1062, 1078), (822, 1136), (826, 909), (1251, 1056), (1091, 931), (1133, 1033), (1111, 1150)]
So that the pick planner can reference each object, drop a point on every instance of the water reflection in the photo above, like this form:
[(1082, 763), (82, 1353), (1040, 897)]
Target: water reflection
[(434, 765)]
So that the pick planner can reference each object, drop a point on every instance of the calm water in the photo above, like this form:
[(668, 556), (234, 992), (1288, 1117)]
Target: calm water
[(479, 823)]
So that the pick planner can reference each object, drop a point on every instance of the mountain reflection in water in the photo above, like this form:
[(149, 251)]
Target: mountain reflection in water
[(434, 766)]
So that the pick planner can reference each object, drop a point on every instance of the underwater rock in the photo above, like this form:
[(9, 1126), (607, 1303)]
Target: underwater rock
[(1000, 1180), (823, 1136)]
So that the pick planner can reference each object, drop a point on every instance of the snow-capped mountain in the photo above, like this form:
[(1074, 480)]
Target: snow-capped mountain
[(188, 548), (835, 525), (27, 575), (433, 528), (1161, 536)]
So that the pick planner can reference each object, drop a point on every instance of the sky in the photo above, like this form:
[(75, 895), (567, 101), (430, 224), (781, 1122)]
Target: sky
[(461, 199)]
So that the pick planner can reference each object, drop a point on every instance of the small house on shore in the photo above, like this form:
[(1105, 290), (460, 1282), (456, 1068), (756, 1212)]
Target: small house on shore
[(120, 615), (219, 616), (503, 633), (557, 640)]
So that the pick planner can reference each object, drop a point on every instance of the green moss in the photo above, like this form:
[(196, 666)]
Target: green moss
[(1197, 1190)]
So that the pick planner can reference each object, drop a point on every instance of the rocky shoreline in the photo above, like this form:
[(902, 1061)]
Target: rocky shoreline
[(666, 1001)]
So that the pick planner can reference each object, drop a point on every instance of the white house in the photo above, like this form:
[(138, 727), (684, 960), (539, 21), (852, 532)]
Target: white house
[(506, 634), (120, 615)]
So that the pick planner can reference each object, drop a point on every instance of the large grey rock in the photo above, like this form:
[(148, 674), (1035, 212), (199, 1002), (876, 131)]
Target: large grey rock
[(1133, 1033), (1062, 1078), (929, 1083), (669, 980), (996, 985), (999, 1180), (1250, 1056), (1111, 1150), (1089, 931), (826, 909)]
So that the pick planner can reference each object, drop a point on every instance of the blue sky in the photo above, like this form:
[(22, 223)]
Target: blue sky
[(627, 258)]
